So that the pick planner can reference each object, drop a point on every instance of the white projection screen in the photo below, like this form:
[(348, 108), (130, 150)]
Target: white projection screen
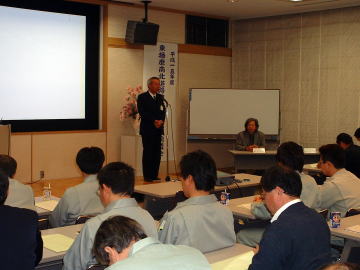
[(224, 111), (42, 70)]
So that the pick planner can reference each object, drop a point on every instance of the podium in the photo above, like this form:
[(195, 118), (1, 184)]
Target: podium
[(5, 133)]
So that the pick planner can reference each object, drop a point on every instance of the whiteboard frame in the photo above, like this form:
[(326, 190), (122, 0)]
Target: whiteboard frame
[(226, 136)]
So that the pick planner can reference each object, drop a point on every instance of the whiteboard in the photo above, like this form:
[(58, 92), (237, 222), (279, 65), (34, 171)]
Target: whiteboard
[(224, 111)]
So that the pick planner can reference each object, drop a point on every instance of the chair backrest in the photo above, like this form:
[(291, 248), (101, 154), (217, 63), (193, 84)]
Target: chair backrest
[(352, 212), (324, 213), (43, 223), (82, 219), (96, 267)]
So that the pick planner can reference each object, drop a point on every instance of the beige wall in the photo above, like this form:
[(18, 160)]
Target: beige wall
[(314, 58), (55, 153)]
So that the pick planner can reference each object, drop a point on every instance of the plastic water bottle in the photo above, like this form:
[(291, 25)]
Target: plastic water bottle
[(47, 192)]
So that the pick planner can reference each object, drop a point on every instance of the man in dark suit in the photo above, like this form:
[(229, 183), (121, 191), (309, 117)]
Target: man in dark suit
[(152, 110), (298, 238), (21, 244), (352, 153)]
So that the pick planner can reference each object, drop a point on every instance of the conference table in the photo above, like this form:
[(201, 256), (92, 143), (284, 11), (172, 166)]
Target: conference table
[(42, 212), (160, 197), (241, 207), (246, 160), (311, 168), (169, 189), (350, 230), (54, 260)]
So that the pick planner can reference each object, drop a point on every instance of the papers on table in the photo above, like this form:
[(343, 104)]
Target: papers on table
[(240, 262), (245, 205), (355, 228), (48, 205), (57, 242), (310, 151)]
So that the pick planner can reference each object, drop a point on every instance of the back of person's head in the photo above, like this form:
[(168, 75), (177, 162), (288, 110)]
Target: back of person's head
[(288, 180), (251, 120), (90, 159), (118, 176), (340, 266), (116, 232), (8, 165), (201, 166), (334, 154), (357, 134), (291, 155), (344, 138), (4, 187)]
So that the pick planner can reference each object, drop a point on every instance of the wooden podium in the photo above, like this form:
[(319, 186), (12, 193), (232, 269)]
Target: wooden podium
[(5, 133)]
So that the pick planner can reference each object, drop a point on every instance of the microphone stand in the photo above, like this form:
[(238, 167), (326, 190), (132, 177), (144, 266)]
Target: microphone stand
[(167, 178)]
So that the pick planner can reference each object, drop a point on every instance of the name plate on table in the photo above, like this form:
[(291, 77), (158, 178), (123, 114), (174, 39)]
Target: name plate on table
[(258, 150), (310, 151)]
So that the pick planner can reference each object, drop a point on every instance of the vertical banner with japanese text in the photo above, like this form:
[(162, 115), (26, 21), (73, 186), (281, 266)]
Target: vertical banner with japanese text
[(162, 61)]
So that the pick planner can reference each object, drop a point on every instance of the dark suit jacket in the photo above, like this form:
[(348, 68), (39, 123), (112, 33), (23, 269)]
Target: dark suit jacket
[(299, 239), (352, 163), (21, 243), (151, 109)]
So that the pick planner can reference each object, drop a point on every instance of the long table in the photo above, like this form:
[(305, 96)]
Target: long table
[(245, 160), (54, 260), (169, 189), (240, 207), (352, 239), (44, 213)]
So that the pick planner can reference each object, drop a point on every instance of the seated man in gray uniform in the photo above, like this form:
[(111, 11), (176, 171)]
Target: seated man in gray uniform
[(116, 182), (81, 199), (122, 243), (200, 221), (341, 190), (20, 195), (289, 155)]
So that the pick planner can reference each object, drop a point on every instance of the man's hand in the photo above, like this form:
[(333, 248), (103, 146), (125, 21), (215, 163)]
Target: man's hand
[(158, 123), (257, 199), (251, 147), (256, 249)]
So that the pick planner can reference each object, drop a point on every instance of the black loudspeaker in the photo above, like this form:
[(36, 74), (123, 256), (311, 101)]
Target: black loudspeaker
[(141, 33)]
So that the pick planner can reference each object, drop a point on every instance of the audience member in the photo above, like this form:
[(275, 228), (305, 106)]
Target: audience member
[(122, 243), (81, 199), (200, 221), (289, 155), (21, 240), (20, 195), (116, 184), (352, 153), (298, 237), (341, 190)]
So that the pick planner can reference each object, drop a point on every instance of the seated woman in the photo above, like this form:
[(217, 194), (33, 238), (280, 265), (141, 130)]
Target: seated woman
[(251, 137)]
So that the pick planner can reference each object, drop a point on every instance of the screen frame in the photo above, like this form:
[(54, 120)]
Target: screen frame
[(92, 61)]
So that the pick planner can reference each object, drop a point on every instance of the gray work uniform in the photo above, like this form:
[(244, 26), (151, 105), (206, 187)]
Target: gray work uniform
[(339, 192), (20, 195), (150, 254), (200, 222), (79, 256), (79, 200)]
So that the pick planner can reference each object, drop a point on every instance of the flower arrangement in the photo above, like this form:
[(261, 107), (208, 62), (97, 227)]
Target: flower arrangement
[(130, 108)]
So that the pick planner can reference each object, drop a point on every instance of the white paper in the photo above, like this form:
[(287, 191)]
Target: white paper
[(48, 205), (258, 150)]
